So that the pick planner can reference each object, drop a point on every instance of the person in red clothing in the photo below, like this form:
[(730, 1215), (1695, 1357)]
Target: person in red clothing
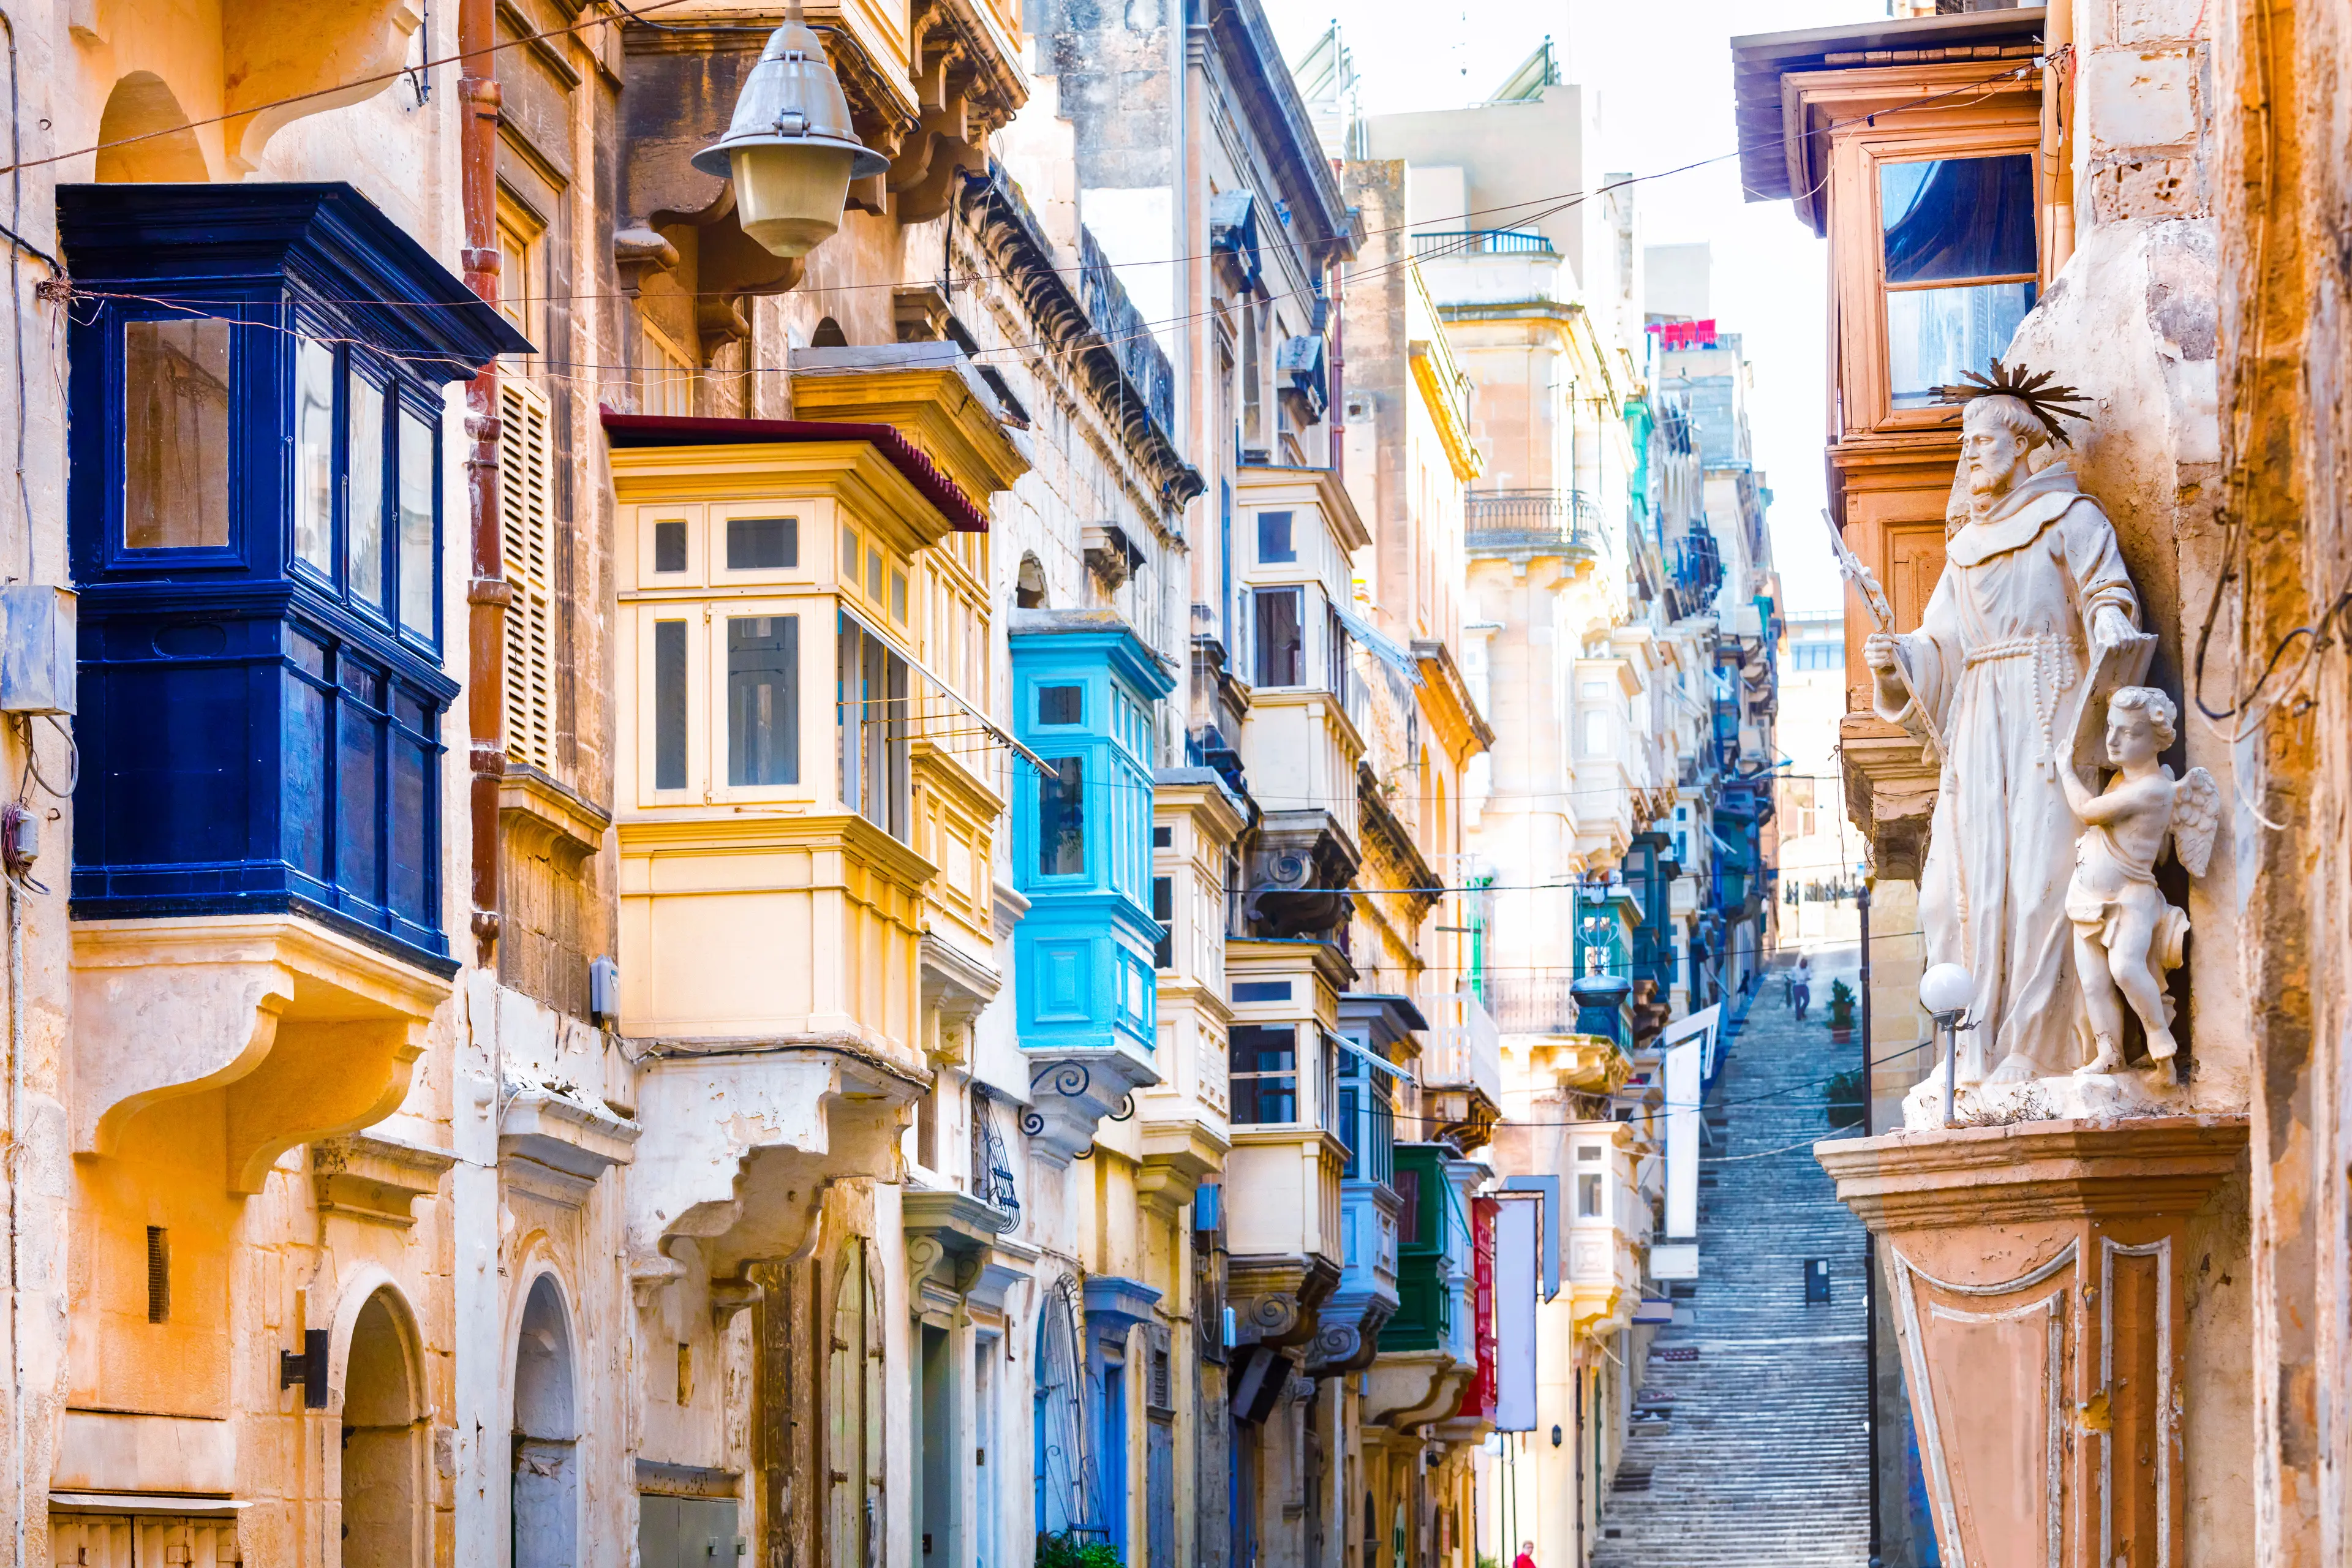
[(1527, 1557)]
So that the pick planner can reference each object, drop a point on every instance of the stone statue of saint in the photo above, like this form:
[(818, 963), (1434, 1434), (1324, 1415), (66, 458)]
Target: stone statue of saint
[(2033, 597)]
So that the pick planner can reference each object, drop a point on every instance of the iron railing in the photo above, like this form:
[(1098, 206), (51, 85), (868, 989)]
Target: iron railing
[(1533, 517), (1430, 245)]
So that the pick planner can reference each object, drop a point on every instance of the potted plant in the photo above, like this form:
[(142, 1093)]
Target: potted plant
[(1840, 1012), (1844, 1103), (1073, 1549)]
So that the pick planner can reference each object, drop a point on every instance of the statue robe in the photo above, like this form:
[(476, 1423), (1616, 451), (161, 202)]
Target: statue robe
[(1996, 668)]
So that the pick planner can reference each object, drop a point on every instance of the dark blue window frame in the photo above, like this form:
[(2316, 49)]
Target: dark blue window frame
[(257, 736)]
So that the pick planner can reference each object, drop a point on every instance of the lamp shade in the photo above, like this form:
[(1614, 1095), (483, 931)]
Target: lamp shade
[(1947, 989), (790, 150)]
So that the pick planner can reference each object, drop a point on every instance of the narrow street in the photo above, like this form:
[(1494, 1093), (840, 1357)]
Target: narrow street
[(1761, 1454)]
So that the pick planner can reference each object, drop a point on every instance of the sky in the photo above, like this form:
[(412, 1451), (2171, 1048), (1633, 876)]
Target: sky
[(1663, 71)]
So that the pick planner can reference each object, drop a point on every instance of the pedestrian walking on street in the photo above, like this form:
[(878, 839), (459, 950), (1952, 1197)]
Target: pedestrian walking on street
[(1801, 986), (1527, 1557)]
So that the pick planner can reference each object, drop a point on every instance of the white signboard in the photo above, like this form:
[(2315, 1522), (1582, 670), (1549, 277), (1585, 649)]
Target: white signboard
[(1682, 1141), (1516, 1251)]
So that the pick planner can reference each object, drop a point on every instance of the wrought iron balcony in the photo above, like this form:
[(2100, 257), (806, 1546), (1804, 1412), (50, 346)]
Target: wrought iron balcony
[(1433, 245)]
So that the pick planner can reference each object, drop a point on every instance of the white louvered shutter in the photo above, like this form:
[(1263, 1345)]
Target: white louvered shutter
[(527, 540)]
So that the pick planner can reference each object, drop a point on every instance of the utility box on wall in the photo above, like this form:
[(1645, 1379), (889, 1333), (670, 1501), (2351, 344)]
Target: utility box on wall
[(37, 648)]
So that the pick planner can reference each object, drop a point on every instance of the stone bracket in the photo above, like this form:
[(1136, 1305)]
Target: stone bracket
[(307, 1032), (369, 1176), (1072, 1091)]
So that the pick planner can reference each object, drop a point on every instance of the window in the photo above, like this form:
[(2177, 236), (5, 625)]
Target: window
[(668, 374), (669, 705), (176, 435), (1588, 1195), (872, 729), (1596, 732), (898, 596), (526, 542), (314, 454), (1407, 1188), (1960, 260), (1062, 818), (1061, 704), (764, 700), (363, 560), (420, 512), (1281, 637), (753, 544), (1367, 1119), (524, 271), (1337, 668), (669, 546), (1163, 910), (1274, 542), (1265, 1074)]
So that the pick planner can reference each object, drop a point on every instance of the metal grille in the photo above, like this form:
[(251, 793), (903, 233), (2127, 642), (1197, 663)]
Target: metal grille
[(992, 1168)]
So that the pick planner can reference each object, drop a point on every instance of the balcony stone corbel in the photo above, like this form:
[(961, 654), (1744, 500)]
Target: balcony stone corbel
[(740, 1145), (1072, 1092), (950, 1236), (306, 1033), (556, 1143), (1277, 1300), (282, 61)]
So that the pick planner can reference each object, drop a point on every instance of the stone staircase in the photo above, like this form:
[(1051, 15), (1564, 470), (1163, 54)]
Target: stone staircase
[(1753, 1452)]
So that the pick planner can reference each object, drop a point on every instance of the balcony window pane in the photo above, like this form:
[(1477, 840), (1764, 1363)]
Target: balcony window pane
[(1933, 334), (669, 546), (871, 730), (1957, 217), (1265, 1074), (420, 562), (1587, 1197), (1062, 819), (1061, 704), (1274, 542), (763, 708), (314, 454), (176, 435), (363, 559), (753, 544), (1281, 643), (669, 705), (1163, 910)]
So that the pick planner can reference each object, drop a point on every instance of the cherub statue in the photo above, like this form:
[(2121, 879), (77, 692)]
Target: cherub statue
[(2126, 934)]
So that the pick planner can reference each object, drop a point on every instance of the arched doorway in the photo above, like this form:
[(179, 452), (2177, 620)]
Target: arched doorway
[(855, 1433), (383, 1456), (545, 1497)]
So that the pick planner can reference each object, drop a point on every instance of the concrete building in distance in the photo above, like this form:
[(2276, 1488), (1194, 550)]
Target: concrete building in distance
[(1819, 855)]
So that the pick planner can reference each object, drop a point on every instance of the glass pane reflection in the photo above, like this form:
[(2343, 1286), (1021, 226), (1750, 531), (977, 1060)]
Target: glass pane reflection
[(1933, 334)]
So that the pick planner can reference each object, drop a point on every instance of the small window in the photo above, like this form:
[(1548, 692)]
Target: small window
[(1061, 705), (1274, 541), (898, 597), (1407, 1188), (1587, 1153), (1262, 991), (874, 575), (1596, 732), (1062, 819), (420, 486), (753, 544), (1587, 1197), (363, 552), (669, 705), (1163, 910), (1281, 638), (159, 1274), (764, 700), (850, 551), (1163, 838), (176, 435), (670, 545), (1961, 257), (872, 729), (314, 454), (1264, 1073)]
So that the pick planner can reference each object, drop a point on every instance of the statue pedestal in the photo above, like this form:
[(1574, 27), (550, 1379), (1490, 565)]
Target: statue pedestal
[(2086, 1097), (2035, 1273)]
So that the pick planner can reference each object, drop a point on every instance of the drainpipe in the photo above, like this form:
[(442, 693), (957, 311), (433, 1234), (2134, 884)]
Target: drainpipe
[(2057, 136), (1870, 1248), (486, 594)]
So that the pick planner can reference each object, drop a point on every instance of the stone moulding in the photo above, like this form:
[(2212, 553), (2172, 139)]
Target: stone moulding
[(566, 1135), (2035, 1276), (307, 1032), (369, 1176), (1072, 1091)]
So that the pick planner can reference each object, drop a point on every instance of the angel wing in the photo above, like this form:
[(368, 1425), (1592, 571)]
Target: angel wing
[(2196, 813)]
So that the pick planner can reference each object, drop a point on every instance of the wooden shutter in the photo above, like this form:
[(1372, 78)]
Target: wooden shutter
[(526, 542)]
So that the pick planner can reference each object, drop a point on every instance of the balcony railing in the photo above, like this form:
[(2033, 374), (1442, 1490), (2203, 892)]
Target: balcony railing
[(1432, 244), (1533, 1007), (1466, 1048), (1533, 518)]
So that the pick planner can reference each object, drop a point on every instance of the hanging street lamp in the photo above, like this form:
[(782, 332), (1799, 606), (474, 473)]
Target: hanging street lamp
[(790, 150)]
